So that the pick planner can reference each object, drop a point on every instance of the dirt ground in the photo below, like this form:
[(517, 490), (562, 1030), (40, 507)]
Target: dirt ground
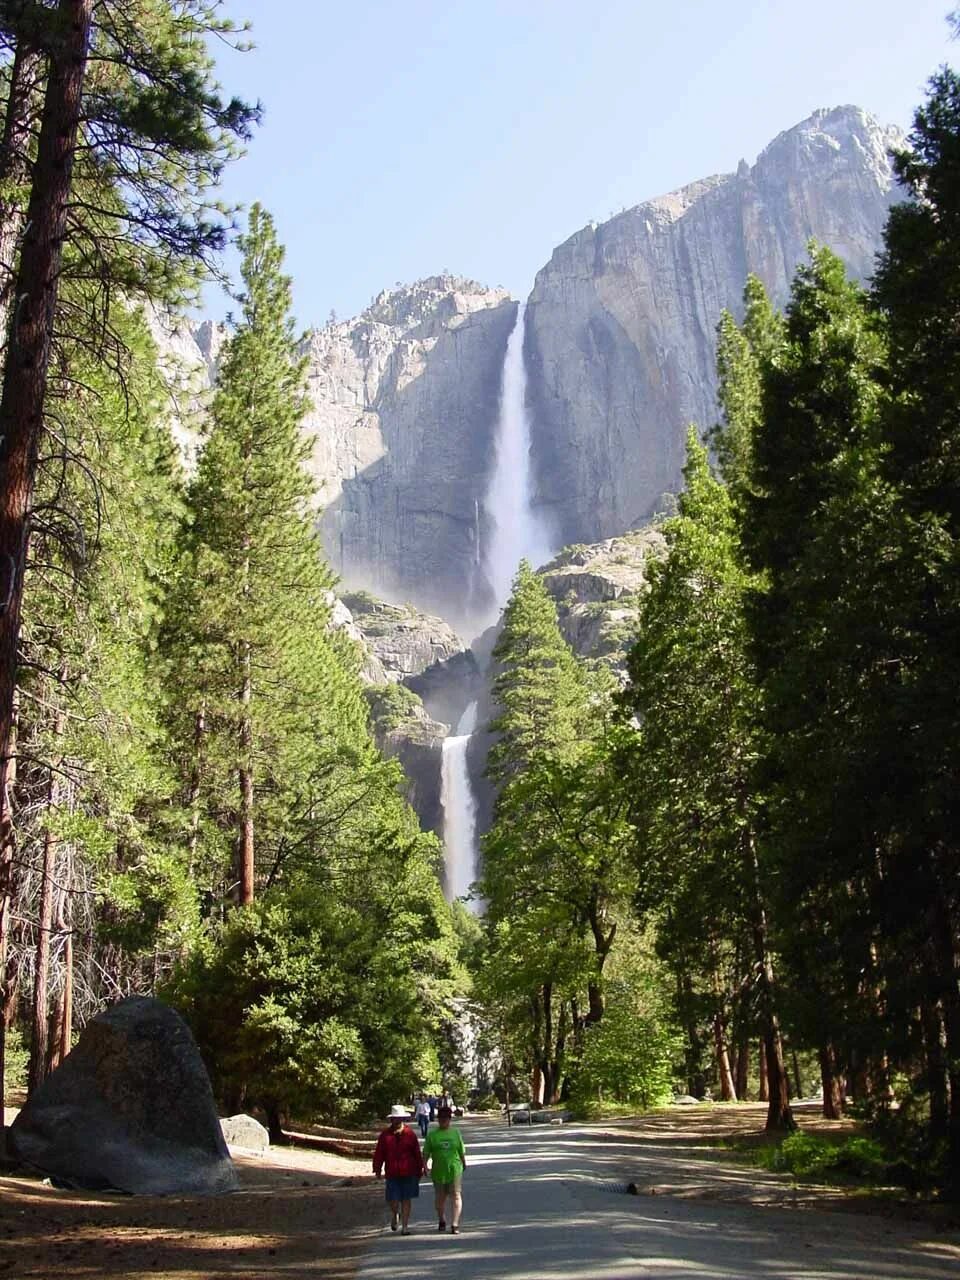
[(708, 1146), (294, 1215), (310, 1214)]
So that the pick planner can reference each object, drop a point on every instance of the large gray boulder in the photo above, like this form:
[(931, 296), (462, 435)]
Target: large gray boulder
[(129, 1109)]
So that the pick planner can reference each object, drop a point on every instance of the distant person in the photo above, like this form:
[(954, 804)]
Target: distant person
[(423, 1115), (398, 1151), (445, 1153), (433, 1106)]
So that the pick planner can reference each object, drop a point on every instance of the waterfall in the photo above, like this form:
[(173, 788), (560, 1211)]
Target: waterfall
[(518, 531), (459, 808)]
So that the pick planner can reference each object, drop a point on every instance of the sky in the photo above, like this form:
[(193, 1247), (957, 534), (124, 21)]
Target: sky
[(405, 138)]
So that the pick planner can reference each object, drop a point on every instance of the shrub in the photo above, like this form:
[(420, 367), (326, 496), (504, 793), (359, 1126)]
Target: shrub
[(806, 1154), (17, 1059)]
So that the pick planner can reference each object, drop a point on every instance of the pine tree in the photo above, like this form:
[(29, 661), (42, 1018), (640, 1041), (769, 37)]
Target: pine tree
[(811, 528), (539, 687), (917, 293), (268, 679), (150, 130), (554, 871), (693, 690), (94, 866)]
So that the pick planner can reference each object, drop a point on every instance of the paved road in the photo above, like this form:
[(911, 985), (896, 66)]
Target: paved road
[(547, 1204)]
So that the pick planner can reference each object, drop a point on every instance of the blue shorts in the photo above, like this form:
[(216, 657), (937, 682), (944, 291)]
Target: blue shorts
[(403, 1188)]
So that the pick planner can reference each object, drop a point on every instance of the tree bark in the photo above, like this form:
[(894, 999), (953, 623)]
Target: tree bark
[(948, 969), (602, 943), (779, 1114), (22, 104), (196, 779), (728, 1092), (546, 1063), (831, 1083), (25, 376), (63, 1021), (763, 1087), (40, 1031), (246, 782), (39, 1038), (742, 1076)]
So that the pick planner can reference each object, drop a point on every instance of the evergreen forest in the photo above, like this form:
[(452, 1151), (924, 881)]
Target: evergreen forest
[(738, 871)]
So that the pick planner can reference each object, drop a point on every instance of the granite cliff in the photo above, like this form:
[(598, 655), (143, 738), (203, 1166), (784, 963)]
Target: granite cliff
[(405, 401), (619, 352), (620, 337)]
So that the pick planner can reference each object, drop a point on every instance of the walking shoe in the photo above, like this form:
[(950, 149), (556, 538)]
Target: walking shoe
[(394, 1221), (405, 1231), (441, 1225), (454, 1231)]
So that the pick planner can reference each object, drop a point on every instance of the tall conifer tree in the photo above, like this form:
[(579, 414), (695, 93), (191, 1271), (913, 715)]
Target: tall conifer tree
[(270, 692)]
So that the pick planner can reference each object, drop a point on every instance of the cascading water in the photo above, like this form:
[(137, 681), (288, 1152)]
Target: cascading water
[(517, 532), (459, 808)]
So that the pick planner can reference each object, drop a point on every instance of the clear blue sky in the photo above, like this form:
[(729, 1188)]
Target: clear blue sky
[(405, 137)]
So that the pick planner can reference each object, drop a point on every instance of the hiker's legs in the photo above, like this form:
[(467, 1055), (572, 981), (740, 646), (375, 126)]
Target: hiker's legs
[(404, 1214), (440, 1197), (394, 1211), (457, 1196)]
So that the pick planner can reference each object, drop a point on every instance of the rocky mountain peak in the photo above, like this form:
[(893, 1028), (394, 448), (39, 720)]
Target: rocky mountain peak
[(621, 322), (435, 298)]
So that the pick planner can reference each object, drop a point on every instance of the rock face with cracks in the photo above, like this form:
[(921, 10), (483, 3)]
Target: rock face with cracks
[(620, 338), (129, 1109)]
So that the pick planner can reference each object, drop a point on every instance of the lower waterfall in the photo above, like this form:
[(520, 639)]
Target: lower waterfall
[(517, 531), (459, 810)]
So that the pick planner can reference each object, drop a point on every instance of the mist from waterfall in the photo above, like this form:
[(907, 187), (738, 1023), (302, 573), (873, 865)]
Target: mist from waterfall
[(459, 809), (518, 532)]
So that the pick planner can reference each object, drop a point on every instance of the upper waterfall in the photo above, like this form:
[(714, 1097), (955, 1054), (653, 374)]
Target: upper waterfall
[(518, 531)]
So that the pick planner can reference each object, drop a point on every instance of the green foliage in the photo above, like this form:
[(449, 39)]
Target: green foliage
[(17, 1060), (630, 1056), (391, 705), (274, 688), (554, 866), (808, 1155), (539, 688)]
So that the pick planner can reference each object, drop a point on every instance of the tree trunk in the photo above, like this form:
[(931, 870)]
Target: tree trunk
[(728, 1092), (763, 1089), (536, 1085), (40, 1030), (25, 379), (9, 981), (63, 1021), (39, 1039), (797, 1078), (559, 1050), (536, 1042), (948, 967), (546, 1062), (196, 779), (831, 1083), (22, 104), (602, 943), (742, 1077), (275, 1125), (246, 783), (779, 1115)]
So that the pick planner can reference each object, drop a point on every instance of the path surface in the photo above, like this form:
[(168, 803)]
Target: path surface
[(547, 1203)]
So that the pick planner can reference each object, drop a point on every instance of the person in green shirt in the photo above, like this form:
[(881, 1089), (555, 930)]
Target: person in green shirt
[(446, 1155)]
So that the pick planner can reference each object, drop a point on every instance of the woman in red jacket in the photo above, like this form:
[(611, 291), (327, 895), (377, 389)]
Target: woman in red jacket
[(398, 1149)]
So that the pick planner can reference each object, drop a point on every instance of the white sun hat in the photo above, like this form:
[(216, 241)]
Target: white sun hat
[(398, 1112)]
